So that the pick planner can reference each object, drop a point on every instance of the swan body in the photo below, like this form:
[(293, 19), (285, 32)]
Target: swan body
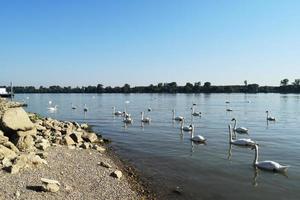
[(239, 129), (197, 138), (186, 128), (127, 120), (270, 118), (178, 118), (240, 142), (195, 113), (53, 108), (85, 108), (145, 119), (118, 113), (74, 107), (268, 164)]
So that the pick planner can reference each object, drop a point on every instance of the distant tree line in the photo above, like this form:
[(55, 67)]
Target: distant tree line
[(171, 87)]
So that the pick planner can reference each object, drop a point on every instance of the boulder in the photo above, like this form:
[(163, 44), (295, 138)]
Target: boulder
[(16, 119), (84, 126), (117, 174), (3, 139), (76, 136), (68, 140), (19, 163), (90, 137), (7, 153), (25, 143), (11, 146), (85, 145), (99, 149), (42, 144), (6, 163), (31, 132)]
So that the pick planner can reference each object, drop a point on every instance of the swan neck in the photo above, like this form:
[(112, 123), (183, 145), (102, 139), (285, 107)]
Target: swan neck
[(230, 135), (234, 126), (256, 156)]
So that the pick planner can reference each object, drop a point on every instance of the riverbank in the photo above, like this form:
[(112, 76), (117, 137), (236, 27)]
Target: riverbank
[(75, 159)]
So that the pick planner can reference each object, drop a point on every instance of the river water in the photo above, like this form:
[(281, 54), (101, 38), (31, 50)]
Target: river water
[(171, 162)]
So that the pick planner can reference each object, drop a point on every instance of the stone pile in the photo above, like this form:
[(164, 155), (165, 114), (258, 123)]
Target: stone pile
[(24, 137)]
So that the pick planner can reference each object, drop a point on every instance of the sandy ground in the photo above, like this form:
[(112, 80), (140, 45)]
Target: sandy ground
[(77, 171)]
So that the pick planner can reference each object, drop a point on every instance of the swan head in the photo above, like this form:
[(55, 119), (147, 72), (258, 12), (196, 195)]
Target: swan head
[(267, 111), (233, 119)]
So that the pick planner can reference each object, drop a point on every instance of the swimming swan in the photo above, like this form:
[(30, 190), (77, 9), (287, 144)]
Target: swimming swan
[(268, 164), (239, 142)]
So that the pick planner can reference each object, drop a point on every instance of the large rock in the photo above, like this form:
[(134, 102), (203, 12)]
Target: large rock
[(31, 132), (6, 153), (90, 137), (16, 119), (25, 143), (76, 136), (68, 140), (20, 163)]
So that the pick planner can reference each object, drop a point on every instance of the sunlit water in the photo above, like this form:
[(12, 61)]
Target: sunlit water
[(168, 159)]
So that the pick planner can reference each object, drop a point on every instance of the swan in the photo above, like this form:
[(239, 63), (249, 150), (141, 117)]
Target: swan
[(239, 142), (268, 164), (269, 118), (197, 138), (195, 113), (118, 113), (85, 108), (239, 129), (127, 119), (53, 108), (145, 119), (178, 118), (74, 107), (186, 128)]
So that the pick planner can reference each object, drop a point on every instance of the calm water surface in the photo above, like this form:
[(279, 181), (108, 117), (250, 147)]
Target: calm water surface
[(168, 159)]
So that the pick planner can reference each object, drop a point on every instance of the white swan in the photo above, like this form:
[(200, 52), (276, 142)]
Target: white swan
[(145, 119), (269, 118), (118, 113), (53, 109), (178, 118), (127, 119), (85, 108), (197, 138), (239, 142), (195, 113), (186, 128), (239, 129), (74, 107), (268, 164)]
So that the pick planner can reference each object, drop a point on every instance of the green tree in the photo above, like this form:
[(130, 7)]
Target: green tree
[(207, 84), (297, 82), (284, 82)]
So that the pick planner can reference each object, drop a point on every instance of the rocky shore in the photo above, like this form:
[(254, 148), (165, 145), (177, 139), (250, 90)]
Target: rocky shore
[(43, 158)]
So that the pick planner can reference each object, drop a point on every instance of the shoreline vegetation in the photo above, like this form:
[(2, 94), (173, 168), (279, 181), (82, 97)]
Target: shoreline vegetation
[(46, 158), (172, 87)]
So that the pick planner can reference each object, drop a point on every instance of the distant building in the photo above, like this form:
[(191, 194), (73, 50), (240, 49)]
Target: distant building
[(3, 91)]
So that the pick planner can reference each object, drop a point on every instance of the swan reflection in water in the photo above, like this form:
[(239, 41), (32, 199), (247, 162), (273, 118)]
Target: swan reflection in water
[(256, 175)]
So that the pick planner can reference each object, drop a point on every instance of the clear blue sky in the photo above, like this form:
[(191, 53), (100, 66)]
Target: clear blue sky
[(46, 42)]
